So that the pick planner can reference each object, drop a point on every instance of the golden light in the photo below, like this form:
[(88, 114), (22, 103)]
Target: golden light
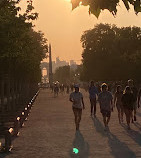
[(68, 0)]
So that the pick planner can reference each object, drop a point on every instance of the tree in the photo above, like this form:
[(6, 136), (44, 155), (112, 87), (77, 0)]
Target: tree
[(111, 53), (22, 49), (62, 74), (96, 6)]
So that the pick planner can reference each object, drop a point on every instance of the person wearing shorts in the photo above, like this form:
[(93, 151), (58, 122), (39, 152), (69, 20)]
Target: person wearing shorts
[(106, 101), (78, 104)]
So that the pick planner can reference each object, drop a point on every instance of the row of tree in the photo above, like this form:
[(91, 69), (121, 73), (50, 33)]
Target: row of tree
[(111, 53), (22, 49), (66, 75)]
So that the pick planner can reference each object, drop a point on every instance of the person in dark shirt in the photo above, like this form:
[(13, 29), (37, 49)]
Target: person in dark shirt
[(135, 93), (118, 103), (68, 89), (56, 90), (106, 104), (72, 87), (128, 104), (92, 95)]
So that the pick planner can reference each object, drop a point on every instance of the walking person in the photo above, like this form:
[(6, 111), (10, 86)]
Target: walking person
[(128, 104), (118, 102), (92, 95), (135, 94), (56, 90), (68, 89), (62, 88), (72, 87), (106, 104), (78, 104)]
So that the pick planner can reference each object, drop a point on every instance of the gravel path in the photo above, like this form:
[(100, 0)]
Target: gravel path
[(50, 133)]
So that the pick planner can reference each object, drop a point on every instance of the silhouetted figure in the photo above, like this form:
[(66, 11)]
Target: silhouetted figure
[(105, 100), (62, 88), (72, 87), (128, 104), (68, 89), (135, 94), (118, 102), (56, 90), (92, 95)]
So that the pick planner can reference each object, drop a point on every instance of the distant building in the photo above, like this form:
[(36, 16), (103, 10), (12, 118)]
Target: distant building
[(72, 62), (73, 65), (58, 63)]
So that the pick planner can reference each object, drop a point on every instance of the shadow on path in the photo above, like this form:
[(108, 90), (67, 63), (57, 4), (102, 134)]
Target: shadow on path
[(3, 155), (135, 135), (138, 125), (80, 144), (139, 114), (118, 149)]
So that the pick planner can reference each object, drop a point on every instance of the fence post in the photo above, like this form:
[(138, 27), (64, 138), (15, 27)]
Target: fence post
[(2, 93), (8, 108)]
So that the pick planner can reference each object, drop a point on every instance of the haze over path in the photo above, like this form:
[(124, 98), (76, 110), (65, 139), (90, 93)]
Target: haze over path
[(50, 133)]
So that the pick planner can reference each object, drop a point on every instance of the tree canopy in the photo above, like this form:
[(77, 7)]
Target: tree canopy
[(62, 74), (96, 6), (22, 48), (67, 75), (111, 53)]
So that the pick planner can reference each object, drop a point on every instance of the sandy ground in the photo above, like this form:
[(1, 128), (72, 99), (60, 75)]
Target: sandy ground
[(50, 133)]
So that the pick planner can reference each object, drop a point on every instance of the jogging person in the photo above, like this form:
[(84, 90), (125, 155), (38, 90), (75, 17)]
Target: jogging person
[(106, 101), (128, 104), (92, 95), (118, 102), (78, 104), (135, 93)]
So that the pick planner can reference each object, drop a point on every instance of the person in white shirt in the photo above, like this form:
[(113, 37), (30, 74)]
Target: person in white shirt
[(106, 104), (78, 104)]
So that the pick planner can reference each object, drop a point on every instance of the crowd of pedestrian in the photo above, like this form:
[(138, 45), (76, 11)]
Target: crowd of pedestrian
[(125, 98), (61, 88)]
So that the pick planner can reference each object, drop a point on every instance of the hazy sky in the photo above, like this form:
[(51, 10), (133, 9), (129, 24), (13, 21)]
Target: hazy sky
[(63, 28)]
